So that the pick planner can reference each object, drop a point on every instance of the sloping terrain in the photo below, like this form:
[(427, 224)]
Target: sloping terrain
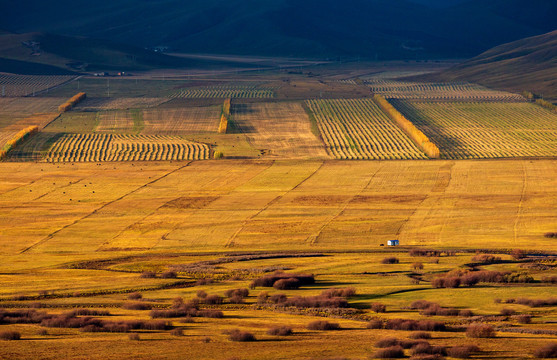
[(528, 64)]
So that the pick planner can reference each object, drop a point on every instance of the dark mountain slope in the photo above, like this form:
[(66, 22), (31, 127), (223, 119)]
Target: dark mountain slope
[(385, 29), (528, 64)]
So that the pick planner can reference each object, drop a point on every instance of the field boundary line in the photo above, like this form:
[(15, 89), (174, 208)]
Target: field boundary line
[(54, 87), (51, 235), (230, 241), (520, 204), (315, 237)]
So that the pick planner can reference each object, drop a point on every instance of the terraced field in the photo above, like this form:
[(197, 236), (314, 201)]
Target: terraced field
[(394, 89), (178, 121), (358, 129), (108, 147), (23, 85), (464, 130), (226, 91)]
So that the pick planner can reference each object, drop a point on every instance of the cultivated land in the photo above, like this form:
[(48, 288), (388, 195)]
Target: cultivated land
[(119, 238)]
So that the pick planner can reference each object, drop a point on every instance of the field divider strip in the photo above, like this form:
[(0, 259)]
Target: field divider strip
[(51, 235)]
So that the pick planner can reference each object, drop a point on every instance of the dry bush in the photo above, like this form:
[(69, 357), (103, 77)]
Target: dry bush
[(241, 336), (135, 296), (201, 294), (187, 320), (375, 324), (148, 275), (278, 299), (137, 306), (262, 297), (236, 292), (507, 312), (335, 292), (10, 335), (169, 275), (550, 234), (549, 279), (177, 332), (414, 325), (280, 331), (42, 332), (287, 284), (427, 357), (390, 260), (480, 331), (548, 351), (378, 307), (424, 252), (523, 319), (213, 300), (533, 302), (394, 352), (486, 259), (323, 325), (420, 335), (134, 336), (417, 266), (316, 302), (204, 281), (210, 313), (465, 313), (462, 352), (87, 312), (269, 280), (424, 348), (387, 342), (518, 254)]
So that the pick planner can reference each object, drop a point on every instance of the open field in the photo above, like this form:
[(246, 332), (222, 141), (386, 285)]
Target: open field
[(226, 91), (94, 232), (29, 105), (465, 130), (100, 103), (108, 147), (397, 89), (183, 120), (23, 85), (359, 129), (280, 130)]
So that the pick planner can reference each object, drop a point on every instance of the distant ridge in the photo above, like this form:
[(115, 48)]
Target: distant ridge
[(528, 64)]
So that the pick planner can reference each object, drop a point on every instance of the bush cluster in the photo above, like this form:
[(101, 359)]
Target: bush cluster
[(407, 325), (323, 325), (393, 352), (10, 335), (280, 331), (462, 352), (480, 331), (486, 259), (390, 260), (550, 234), (235, 296), (330, 298), (186, 309), (457, 278), (533, 302), (270, 280), (241, 336), (548, 351)]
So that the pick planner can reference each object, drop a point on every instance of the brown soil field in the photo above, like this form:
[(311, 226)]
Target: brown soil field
[(97, 104), (29, 105), (280, 130), (179, 121)]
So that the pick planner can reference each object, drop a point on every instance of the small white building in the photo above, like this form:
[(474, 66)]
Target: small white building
[(392, 243)]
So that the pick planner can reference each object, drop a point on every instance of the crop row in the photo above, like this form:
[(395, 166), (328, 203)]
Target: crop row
[(465, 130), (109, 147), (439, 91), (22, 85), (225, 92), (358, 129)]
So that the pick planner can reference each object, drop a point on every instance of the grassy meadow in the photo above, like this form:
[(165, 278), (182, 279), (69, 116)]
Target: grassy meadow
[(114, 243)]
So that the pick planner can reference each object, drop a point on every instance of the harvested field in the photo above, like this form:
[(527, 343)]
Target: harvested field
[(178, 121), (106, 147), (359, 129), (23, 85), (29, 105), (226, 91), (99, 103), (118, 122), (393, 89), (465, 130), (40, 120), (280, 130)]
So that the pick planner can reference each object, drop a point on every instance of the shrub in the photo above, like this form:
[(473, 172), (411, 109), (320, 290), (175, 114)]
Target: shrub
[(387, 342), (427, 357), (262, 297), (237, 292), (241, 336), (413, 325), (213, 300), (390, 260), (394, 352), (375, 324), (417, 266), (148, 275), (187, 320), (507, 312), (269, 280), (378, 307), (201, 294), (10, 335), (287, 284), (549, 279), (280, 331), (424, 252), (210, 313), (550, 234), (278, 299), (177, 332), (42, 332), (323, 325), (518, 254), (169, 275), (134, 337), (316, 302), (137, 306), (425, 348), (480, 331), (204, 281), (523, 319), (548, 351), (334, 292), (462, 352), (135, 296), (486, 258), (422, 335)]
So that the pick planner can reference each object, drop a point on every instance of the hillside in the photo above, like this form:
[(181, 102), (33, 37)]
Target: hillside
[(376, 29), (527, 64), (42, 53)]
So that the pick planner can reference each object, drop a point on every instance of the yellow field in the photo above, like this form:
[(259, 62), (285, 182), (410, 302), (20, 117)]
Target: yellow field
[(279, 130), (485, 130), (180, 121), (359, 129), (99, 147)]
